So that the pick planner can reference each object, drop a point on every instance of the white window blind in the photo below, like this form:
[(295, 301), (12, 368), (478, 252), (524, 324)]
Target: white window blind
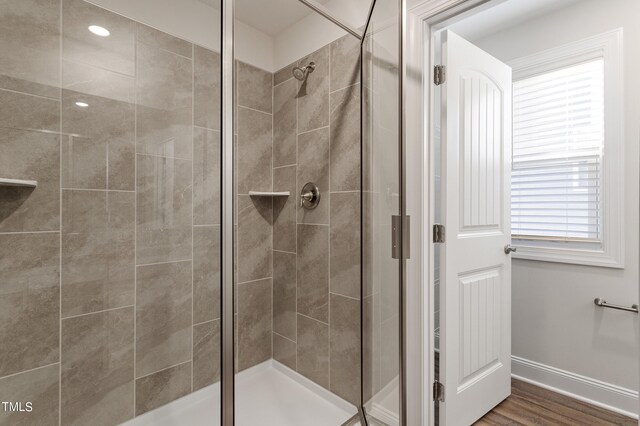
[(558, 138)]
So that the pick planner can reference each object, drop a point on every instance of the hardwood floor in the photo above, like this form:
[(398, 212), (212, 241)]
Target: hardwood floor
[(532, 405)]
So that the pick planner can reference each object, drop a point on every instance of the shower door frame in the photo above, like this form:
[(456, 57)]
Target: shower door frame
[(227, 355), (227, 347), (401, 234)]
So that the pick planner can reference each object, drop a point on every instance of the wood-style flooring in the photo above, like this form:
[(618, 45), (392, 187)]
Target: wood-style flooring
[(532, 405)]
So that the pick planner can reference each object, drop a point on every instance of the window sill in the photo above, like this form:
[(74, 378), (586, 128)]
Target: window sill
[(571, 255)]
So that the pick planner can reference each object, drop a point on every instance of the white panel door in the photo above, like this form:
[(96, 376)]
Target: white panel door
[(475, 358)]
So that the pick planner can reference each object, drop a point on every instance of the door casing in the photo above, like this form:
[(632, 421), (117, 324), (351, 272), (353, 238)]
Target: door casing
[(424, 17)]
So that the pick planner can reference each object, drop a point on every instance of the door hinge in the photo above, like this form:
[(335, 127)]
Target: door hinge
[(438, 233), (399, 240), (438, 391), (439, 75)]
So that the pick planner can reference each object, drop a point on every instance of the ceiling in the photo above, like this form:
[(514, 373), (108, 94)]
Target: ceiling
[(271, 16), (504, 15), (274, 16)]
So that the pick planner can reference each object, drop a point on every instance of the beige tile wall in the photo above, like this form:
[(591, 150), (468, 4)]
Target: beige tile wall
[(298, 271), (316, 253), (254, 216), (109, 285), (109, 273)]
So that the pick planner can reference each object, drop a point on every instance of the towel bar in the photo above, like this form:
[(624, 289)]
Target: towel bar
[(603, 303)]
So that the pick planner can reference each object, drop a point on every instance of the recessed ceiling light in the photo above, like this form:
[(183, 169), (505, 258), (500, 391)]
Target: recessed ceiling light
[(99, 31), (82, 104)]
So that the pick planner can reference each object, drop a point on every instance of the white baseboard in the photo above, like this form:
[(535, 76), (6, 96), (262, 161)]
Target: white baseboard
[(592, 391)]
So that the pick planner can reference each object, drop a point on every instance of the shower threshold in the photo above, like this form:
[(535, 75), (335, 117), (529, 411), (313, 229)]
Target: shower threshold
[(269, 394)]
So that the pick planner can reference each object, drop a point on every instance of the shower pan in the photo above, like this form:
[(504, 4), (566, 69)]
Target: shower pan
[(194, 229)]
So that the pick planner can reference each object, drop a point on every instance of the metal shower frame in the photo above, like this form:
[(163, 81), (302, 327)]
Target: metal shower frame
[(227, 206)]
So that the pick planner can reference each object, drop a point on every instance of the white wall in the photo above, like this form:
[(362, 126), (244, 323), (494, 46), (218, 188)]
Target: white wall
[(314, 31), (254, 47), (198, 23), (555, 322), (187, 19)]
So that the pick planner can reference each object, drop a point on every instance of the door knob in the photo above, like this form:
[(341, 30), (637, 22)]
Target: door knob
[(508, 249)]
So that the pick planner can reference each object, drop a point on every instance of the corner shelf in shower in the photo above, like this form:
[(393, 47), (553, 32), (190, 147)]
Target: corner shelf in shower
[(269, 194), (18, 182)]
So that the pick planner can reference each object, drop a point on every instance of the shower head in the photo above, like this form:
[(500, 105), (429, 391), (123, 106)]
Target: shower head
[(302, 73)]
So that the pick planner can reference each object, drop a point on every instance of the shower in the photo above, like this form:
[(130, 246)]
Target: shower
[(302, 73), (254, 287)]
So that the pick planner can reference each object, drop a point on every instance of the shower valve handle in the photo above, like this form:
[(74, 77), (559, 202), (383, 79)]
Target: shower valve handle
[(306, 196), (310, 196)]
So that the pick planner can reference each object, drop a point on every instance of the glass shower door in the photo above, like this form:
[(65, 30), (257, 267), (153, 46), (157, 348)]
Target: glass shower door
[(382, 210)]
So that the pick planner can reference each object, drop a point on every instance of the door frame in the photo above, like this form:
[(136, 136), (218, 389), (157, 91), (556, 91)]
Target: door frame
[(424, 17)]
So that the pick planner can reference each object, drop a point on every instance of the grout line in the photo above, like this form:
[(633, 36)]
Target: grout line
[(273, 186), (282, 82), (97, 190), (32, 129), (61, 70), (284, 251), (313, 130), (162, 369), (154, 46), (329, 232), (39, 96), (163, 156), (206, 225), (97, 312), (255, 281), (164, 263), (29, 232), (295, 211), (284, 337), (193, 155), (342, 295), (107, 169), (314, 224), (86, 64), (256, 110), (203, 127), (286, 165), (345, 192), (135, 219), (343, 88), (29, 370), (316, 320), (206, 322)]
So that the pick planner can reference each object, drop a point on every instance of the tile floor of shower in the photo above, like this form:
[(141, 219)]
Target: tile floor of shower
[(267, 394)]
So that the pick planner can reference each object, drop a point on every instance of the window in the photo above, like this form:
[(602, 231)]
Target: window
[(566, 183), (558, 135)]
